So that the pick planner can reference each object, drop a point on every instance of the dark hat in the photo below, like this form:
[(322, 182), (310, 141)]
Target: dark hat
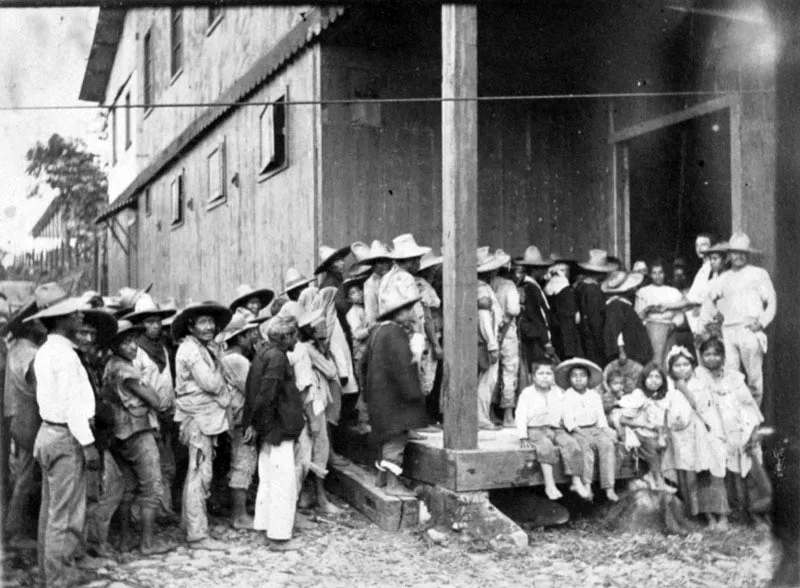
[(180, 325)]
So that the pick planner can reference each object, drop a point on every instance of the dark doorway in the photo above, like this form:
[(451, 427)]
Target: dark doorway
[(680, 185)]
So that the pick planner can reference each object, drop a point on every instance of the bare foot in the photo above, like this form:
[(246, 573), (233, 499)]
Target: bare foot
[(508, 419), (712, 523), (328, 507), (244, 522), (581, 490), (723, 524), (611, 495), (553, 493)]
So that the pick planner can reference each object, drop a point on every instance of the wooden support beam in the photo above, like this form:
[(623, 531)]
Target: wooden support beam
[(460, 223)]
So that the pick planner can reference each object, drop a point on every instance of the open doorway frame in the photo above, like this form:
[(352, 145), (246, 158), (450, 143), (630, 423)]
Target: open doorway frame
[(620, 164)]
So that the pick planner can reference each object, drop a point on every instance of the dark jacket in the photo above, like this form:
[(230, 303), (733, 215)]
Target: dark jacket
[(566, 336), (392, 391), (273, 406), (592, 306), (622, 318), (534, 324), (341, 303)]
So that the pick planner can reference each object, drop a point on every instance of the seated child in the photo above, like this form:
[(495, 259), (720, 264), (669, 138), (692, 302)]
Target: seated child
[(612, 391), (585, 419), (539, 426), (631, 372)]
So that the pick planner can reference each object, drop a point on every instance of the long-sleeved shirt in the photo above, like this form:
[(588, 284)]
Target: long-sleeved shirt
[(158, 380), (489, 319), (20, 387), (583, 410), (539, 409), (653, 295), (200, 389), (63, 390), (235, 368), (371, 298), (742, 296), (508, 297)]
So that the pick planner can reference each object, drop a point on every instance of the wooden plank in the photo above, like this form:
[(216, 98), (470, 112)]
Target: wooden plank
[(673, 118), (431, 465), (625, 212), (736, 165), (459, 223), (356, 485)]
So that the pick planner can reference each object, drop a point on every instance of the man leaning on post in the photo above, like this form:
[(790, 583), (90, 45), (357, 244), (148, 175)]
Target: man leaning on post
[(64, 446)]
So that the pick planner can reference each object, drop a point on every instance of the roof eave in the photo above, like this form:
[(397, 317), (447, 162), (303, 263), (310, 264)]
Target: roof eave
[(107, 34)]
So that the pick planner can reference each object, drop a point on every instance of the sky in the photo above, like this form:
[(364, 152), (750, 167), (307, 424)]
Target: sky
[(43, 56)]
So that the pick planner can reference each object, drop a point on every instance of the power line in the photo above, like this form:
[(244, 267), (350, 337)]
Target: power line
[(346, 101)]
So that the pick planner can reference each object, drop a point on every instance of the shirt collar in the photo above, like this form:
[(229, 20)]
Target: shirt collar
[(60, 340)]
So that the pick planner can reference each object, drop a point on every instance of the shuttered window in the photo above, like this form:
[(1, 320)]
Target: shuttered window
[(216, 175), (273, 136), (178, 204), (127, 120), (176, 40), (148, 70)]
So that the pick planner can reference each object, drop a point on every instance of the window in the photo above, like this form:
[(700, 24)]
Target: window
[(216, 175), (176, 40), (127, 120), (272, 128), (177, 194), (148, 204), (113, 135), (214, 15), (148, 70)]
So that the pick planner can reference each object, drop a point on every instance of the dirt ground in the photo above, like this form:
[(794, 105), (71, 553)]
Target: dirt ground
[(349, 551)]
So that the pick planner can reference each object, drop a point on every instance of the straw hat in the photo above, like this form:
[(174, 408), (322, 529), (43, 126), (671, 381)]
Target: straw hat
[(741, 243), (405, 247), (59, 309), (327, 255), (487, 261), (180, 324), (263, 315), (721, 247), (169, 304), (146, 308), (245, 292), (124, 328), (430, 260), (294, 279), (534, 257), (43, 296), (502, 256), (129, 296), (103, 323), (358, 274), (239, 323), (598, 262), (392, 301), (563, 370), (621, 281), (370, 253)]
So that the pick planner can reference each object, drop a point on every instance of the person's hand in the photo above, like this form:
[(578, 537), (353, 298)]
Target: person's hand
[(549, 349), (92, 457), (755, 326), (525, 444), (494, 357), (249, 435)]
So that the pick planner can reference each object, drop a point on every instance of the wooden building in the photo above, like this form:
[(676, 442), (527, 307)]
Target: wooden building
[(625, 125)]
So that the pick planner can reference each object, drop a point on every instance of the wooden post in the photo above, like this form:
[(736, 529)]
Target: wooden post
[(460, 224)]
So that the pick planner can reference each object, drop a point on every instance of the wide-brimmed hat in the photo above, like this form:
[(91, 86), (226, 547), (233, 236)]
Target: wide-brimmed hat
[(430, 260), (103, 322), (245, 292), (180, 324), (598, 262), (741, 243), (169, 304), (621, 281), (146, 308), (502, 256), (563, 370), (534, 257), (294, 279), (327, 255), (129, 296), (124, 328), (44, 295), (370, 253), (63, 308), (405, 247), (487, 261), (721, 248), (239, 323), (392, 301), (358, 274)]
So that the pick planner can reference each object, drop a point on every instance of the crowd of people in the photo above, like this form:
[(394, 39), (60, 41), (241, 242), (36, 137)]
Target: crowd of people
[(115, 402)]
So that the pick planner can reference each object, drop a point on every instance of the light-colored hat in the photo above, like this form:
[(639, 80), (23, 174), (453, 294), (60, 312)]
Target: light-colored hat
[(169, 304), (392, 301), (103, 323), (245, 292), (263, 315), (563, 370), (358, 273), (239, 323), (640, 267), (294, 279), (327, 255), (129, 296), (63, 308), (721, 247), (621, 281), (124, 328), (370, 253), (502, 256), (145, 308), (487, 261), (312, 318), (533, 256), (405, 247), (741, 242), (430, 260), (180, 324), (44, 295), (598, 262)]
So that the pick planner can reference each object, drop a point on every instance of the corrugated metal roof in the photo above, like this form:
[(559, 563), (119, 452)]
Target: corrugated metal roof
[(315, 22), (47, 215), (107, 34)]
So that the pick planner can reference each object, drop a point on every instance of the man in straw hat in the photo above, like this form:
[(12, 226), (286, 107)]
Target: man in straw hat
[(490, 315), (202, 401), (592, 303), (400, 279), (64, 445), (294, 283), (534, 319), (238, 338), (746, 298), (331, 264), (251, 299), (377, 257), (508, 297), (135, 426), (392, 391), (624, 334), (152, 358)]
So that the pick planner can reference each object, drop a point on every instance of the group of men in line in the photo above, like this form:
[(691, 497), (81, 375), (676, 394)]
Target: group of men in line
[(99, 392)]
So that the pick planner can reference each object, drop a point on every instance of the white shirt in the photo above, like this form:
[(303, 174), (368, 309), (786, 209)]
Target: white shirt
[(583, 410), (538, 409), (63, 390), (697, 294), (663, 295), (744, 295), (160, 381)]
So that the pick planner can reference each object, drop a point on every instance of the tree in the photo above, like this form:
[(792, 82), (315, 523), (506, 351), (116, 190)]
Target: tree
[(78, 180)]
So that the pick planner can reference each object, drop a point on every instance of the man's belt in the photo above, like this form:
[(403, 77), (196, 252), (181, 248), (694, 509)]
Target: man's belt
[(52, 424)]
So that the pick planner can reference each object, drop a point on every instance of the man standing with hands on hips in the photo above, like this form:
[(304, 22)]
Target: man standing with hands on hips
[(64, 446)]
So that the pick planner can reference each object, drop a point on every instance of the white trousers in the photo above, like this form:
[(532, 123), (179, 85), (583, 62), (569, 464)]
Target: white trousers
[(276, 499), (744, 351)]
